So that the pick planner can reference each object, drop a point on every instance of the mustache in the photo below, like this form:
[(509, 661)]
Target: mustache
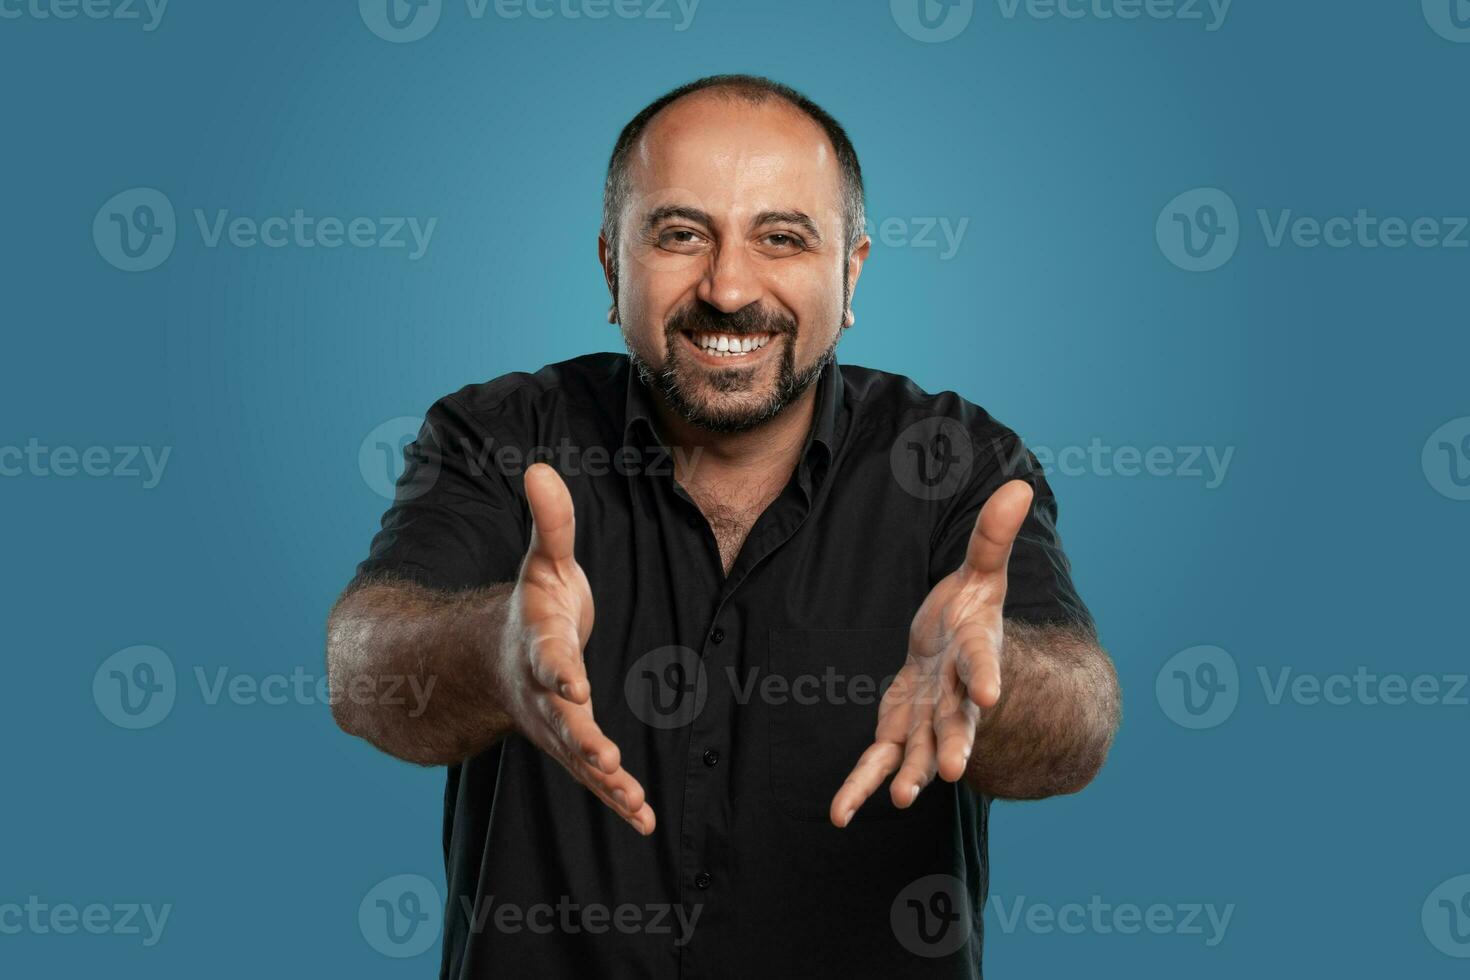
[(703, 318)]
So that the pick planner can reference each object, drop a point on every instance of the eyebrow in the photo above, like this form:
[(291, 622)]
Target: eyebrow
[(695, 215)]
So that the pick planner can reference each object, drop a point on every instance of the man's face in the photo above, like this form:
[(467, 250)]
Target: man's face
[(730, 265)]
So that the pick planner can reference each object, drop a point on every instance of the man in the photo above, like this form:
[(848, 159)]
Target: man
[(685, 630)]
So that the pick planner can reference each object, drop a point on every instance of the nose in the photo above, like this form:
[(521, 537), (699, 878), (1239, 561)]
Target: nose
[(730, 283)]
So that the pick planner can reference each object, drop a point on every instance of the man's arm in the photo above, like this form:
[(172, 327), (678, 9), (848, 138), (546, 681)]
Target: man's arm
[(1059, 707), (391, 635), (1018, 711), (494, 660)]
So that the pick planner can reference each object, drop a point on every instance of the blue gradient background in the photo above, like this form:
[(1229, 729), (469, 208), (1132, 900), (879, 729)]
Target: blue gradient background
[(1325, 548)]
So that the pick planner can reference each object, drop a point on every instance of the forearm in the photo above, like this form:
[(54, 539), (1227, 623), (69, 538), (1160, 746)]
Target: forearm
[(410, 669), (1059, 707)]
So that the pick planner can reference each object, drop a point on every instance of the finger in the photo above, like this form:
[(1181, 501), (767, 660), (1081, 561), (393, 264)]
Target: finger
[(874, 766), (574, 728), (954, 717), (977, 666), (556, 660), (996, 527), (954, 731), (619, 791), (553, 519), (919, 763), (896, 709)]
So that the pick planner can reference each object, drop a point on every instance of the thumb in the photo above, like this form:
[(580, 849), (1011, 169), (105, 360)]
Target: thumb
[(996, 528), (553, 520)]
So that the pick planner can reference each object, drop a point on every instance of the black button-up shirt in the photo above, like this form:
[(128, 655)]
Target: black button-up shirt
[(739, 701)]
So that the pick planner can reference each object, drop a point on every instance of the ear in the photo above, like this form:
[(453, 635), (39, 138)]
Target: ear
[(609, 263), (855, 260)]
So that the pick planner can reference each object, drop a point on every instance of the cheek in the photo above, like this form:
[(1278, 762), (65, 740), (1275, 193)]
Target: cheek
[(818, 311)]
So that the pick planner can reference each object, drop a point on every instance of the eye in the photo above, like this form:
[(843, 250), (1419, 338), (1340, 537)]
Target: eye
[(680, 239), (785, 241)]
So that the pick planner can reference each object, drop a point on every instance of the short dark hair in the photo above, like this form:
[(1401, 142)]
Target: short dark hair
[(755, 90)]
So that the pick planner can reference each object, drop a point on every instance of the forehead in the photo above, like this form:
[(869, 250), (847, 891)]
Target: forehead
[(736, 156)]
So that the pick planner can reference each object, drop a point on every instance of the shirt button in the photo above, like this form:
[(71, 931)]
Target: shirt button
[(717, 635), (703, 880), (711, 757)]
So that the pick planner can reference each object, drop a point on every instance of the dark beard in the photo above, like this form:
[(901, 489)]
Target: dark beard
[(702, 318)]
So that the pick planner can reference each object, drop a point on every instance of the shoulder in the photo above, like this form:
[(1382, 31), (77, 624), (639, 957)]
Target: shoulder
[(887, 405)]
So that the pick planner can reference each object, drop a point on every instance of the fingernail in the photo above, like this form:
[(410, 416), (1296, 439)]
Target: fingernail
[(565, 690), (593, 761), (913, 794), (847, 817), (621, 797)]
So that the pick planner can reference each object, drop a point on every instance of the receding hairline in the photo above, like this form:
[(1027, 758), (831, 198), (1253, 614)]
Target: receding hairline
[(741, 96), (754, 91)]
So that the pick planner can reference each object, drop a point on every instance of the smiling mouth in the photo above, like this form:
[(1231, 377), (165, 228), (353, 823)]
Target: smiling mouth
[(727, 346)]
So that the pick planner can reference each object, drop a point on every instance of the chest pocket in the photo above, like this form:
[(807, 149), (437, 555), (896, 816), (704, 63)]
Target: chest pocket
[(825, 712)]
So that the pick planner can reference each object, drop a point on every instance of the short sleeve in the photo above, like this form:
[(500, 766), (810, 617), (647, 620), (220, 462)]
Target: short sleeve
[(456, 521), (1039, 585)]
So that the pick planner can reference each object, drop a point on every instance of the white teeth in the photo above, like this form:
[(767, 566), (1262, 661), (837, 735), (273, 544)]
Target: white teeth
[(724, 345)]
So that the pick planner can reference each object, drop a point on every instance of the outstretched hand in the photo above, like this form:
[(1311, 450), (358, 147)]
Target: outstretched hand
[(927, 718), (549, 698)]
